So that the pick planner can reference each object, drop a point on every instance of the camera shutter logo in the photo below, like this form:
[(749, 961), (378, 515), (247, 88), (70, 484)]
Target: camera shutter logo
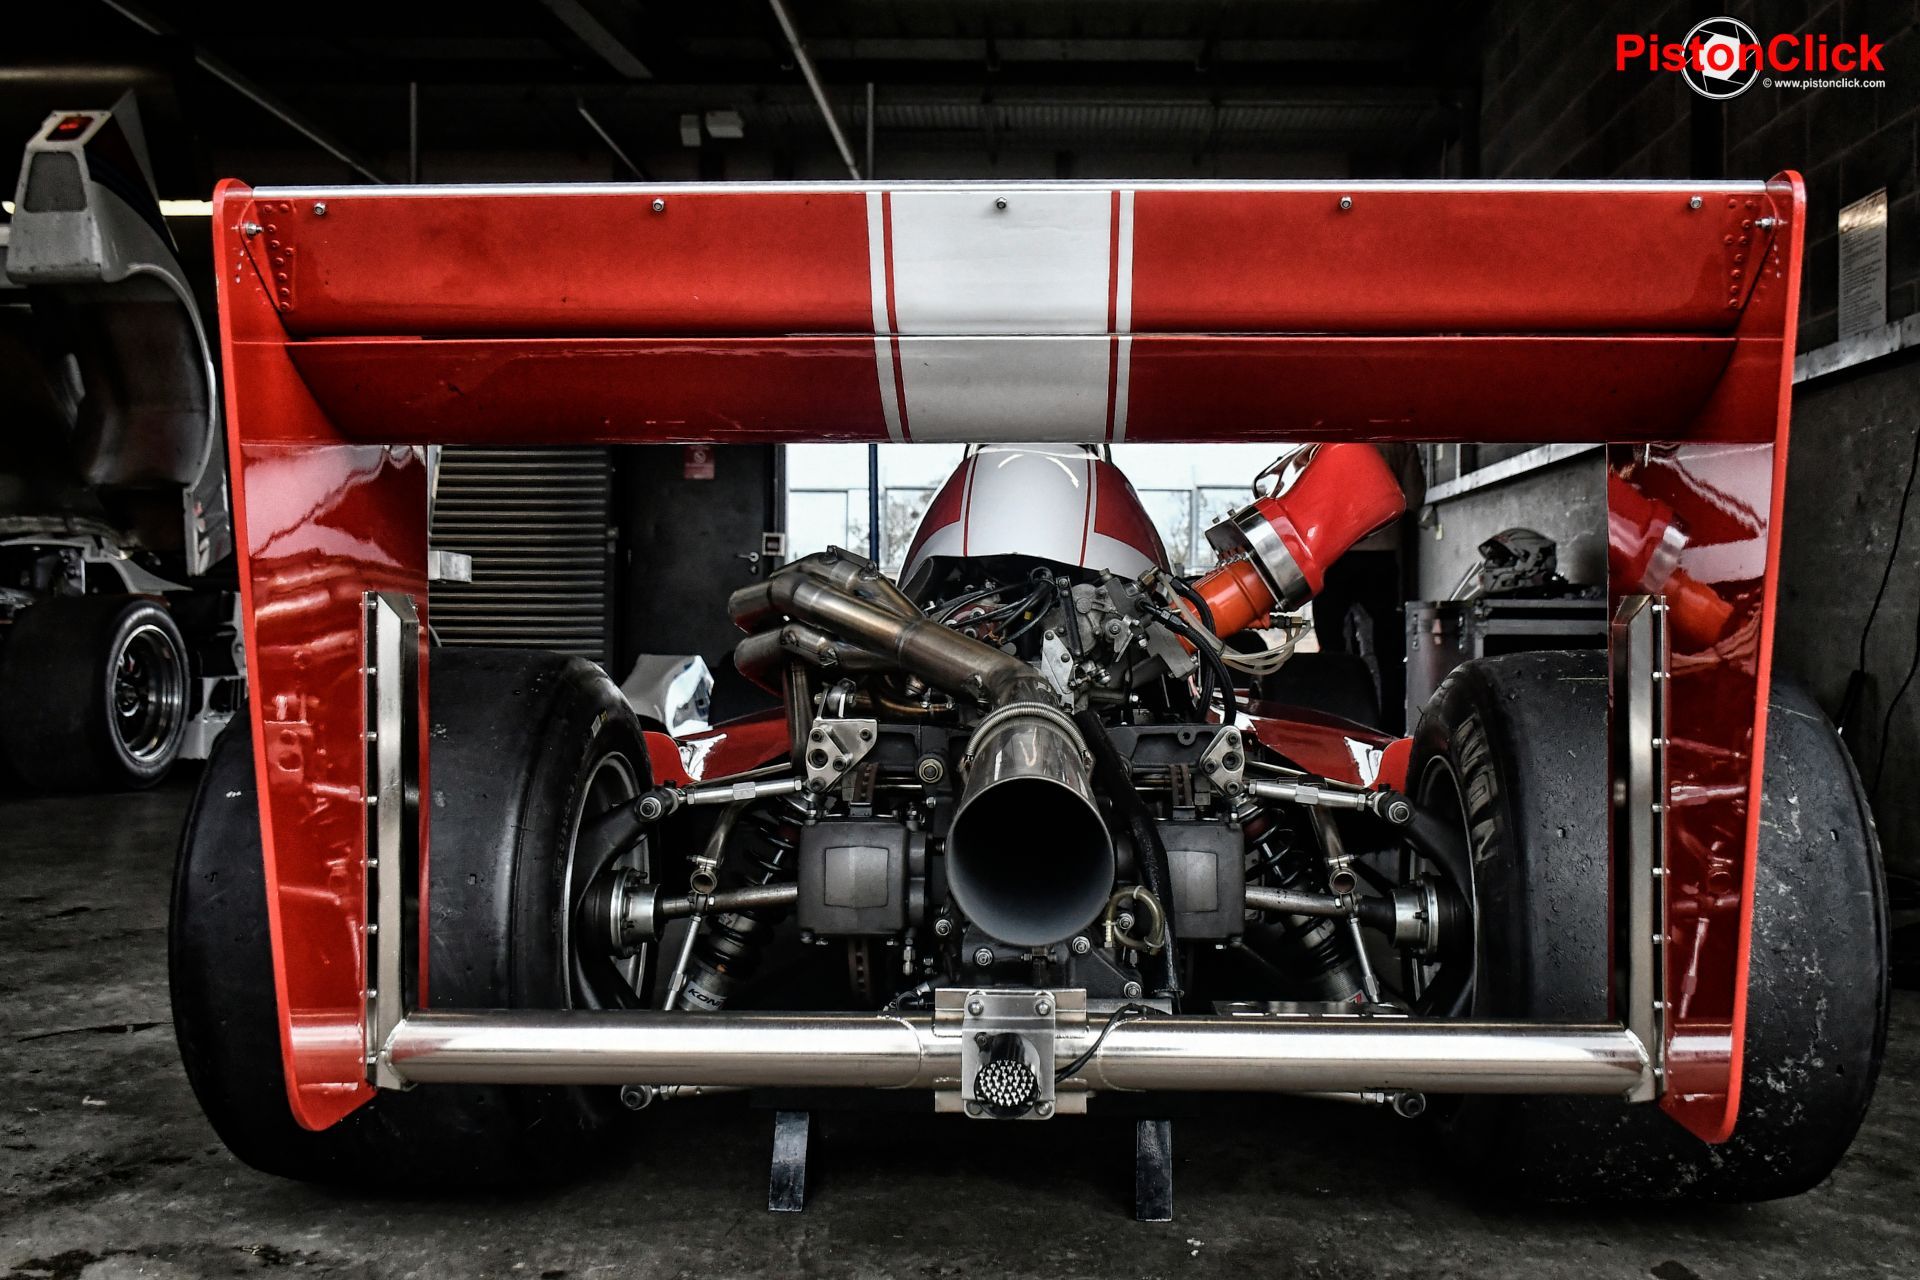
[(1715, 67)]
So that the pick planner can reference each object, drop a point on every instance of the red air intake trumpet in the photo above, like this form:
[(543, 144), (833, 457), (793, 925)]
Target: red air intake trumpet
[(1277, 548)]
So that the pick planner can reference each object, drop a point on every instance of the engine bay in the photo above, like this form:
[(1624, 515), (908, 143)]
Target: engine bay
[(1017, 784)]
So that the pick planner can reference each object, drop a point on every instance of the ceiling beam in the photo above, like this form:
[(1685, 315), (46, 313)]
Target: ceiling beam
[(813, 83), (220, 70), (597, 36)]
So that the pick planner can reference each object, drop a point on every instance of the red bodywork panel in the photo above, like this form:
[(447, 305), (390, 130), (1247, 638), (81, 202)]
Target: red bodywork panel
[(358, 324)]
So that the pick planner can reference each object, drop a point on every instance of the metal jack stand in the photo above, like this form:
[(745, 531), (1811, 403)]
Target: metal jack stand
[(787, 1183), (1153, 1171)]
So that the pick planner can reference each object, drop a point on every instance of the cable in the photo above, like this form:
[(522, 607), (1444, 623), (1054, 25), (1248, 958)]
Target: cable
[(1858, 678), (1150, 851), (1264, 663), (1893, 552), (1886, 722), (1229, 704), (1120, 1015)]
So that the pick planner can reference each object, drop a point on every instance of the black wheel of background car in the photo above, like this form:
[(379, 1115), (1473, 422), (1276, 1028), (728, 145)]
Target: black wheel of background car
[(1340, 684), (527, 747), (94, 693), (1514, 748)]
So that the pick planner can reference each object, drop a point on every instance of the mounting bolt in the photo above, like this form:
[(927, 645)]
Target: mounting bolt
[(1695, 202), (1346, 203), (975, 1008), (973, 1109), (1081, 946), (659, 205), (1043, 1008), (1043, 1109), (983, 956), (1000, 203), (635, 1097), (942, 927), (1131, 990), (319, 208)]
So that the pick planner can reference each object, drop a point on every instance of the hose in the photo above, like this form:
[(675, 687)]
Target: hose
[(1210, 661), (1194, 598), (1151, 853)]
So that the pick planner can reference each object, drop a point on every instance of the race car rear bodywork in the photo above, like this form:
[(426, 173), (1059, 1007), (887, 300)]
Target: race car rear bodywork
[(359, 325)]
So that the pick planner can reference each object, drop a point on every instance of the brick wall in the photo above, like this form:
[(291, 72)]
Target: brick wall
[(1552, 106)]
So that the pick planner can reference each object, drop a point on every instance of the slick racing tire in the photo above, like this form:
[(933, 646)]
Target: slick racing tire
[(1515, 749), (525, 748)]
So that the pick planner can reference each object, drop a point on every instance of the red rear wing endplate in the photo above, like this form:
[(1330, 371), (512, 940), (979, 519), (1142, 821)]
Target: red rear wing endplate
[(359, 324)]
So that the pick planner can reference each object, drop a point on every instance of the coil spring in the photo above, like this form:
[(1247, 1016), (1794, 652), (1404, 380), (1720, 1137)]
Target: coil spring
[(728, 952), (770, 863)]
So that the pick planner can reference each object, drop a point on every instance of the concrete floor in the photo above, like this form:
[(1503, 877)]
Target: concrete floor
[(108, 1170)]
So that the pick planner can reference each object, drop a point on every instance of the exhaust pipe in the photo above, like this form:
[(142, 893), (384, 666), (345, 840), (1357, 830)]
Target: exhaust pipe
[(1029, 858), (953, 663)]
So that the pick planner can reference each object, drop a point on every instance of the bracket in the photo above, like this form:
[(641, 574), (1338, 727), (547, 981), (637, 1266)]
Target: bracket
[(1224, 762), (834, 748), (787, 1176), (1007, 1050), (1153, 1171)]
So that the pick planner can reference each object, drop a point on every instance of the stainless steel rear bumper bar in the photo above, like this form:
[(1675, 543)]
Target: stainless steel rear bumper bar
[(871, 1051)]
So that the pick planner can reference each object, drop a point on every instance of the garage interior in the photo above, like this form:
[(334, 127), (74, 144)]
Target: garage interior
[(616, 553)]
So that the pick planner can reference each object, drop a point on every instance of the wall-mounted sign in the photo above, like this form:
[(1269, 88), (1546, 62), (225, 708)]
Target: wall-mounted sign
[(1863, 265)]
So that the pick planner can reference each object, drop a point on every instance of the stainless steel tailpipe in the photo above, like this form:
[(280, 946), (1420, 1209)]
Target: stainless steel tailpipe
[(1029, 858)]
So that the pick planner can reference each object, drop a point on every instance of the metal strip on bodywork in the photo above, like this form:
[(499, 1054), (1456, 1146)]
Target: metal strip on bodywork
[(391, 795), (1639, 730)]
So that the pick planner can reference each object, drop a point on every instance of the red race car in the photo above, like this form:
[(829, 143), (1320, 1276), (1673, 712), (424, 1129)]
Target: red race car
[(1026, 839)]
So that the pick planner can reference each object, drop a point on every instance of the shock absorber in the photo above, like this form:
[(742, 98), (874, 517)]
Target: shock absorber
[(727, 952), (1316, 953)]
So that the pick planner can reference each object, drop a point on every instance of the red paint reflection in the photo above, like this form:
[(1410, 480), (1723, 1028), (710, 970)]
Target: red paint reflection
[(1692, 521)]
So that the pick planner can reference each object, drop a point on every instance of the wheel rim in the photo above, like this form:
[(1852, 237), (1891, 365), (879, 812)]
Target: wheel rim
[(148, 695), (598, 980), (1446, 985)]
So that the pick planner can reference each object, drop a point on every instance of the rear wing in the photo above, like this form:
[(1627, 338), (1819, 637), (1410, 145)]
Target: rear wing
[(1658, 318)]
